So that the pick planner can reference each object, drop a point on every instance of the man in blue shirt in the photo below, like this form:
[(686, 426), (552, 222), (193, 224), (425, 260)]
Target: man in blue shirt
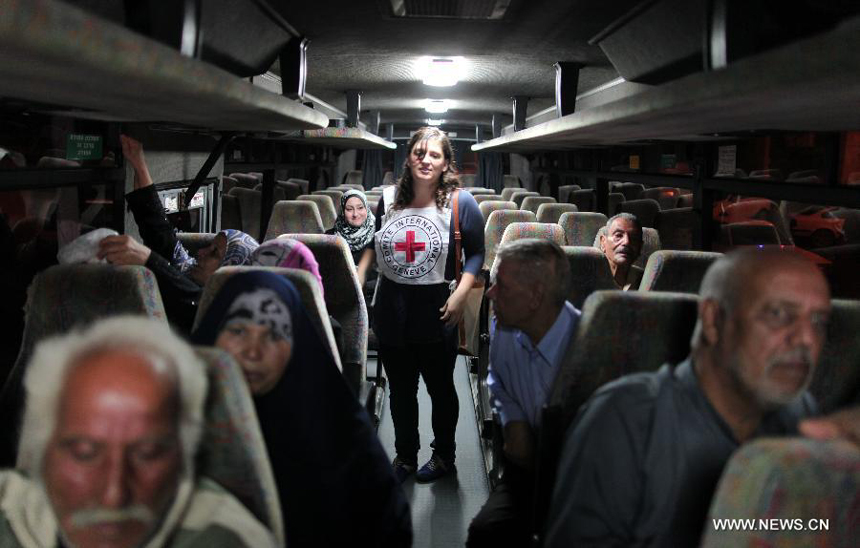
[(534, 324)]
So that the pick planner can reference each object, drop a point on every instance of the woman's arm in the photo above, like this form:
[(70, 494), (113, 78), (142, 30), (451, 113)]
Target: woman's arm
[(364, 263), (132, 150)]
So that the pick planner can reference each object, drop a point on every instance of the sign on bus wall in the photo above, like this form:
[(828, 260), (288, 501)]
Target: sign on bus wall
[(83, 147)]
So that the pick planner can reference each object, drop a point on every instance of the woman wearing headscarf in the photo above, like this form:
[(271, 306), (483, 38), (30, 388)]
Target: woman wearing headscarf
[(180, 275), (287, 253), (291, 253), (355, 223), (334, 481)]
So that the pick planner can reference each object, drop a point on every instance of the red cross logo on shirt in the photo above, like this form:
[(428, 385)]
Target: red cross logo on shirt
[(410, 246)]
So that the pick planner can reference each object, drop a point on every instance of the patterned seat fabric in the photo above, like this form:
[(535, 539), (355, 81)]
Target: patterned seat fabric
[(519, 197), (550, 212), (792, 480), (480, 198), (676, 228), (631, 191), (580, 228), (227, 183), (507, 193), (837, 377), (245, 180), (673, 270), (306, 284), (304, 184), (327, 208), (534, 229), (532, 203), (511, 181), (489, 206), (298, 216), (249, 210), (478, 191), (622, 332), (684, 200), (344, 300), (589, 272), (495, 227), (64, 297), (353, 177), (278, 193), (646, 210), (291, 190), (584, 199), (564, 193), (615, 201), (650, 244), (335, 195), (373, 203), (232, 449), (666, 196)]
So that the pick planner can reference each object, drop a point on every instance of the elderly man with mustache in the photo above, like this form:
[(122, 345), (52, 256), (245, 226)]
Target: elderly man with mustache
[(113, 419), (621, 242), (642, 459)]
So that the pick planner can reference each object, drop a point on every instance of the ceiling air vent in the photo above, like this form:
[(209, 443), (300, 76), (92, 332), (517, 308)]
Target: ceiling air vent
[(451, 9)]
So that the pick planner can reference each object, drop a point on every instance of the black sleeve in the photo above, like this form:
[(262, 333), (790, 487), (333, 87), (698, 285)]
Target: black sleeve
[(179, 293), (157, 232)]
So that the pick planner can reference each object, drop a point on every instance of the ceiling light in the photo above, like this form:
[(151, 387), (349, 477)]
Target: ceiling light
[(441, 71), (432, 122), (436, 106)]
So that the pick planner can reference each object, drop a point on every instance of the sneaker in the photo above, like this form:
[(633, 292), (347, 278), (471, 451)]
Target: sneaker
[(434, 469), (402, 469)]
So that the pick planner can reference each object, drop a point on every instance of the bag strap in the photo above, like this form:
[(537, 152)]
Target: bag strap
[(458, 249)]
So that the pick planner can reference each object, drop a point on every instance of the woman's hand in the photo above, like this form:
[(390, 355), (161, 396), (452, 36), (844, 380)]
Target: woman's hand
[(454, 307), (123, 250), (132, 150)]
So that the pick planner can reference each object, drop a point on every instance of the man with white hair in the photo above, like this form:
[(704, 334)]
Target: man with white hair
[(533, 328), (113, 419), (621, 242), (642, 459)]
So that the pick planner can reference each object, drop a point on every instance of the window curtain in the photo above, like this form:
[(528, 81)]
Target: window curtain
[(371, 168), (490, 170)]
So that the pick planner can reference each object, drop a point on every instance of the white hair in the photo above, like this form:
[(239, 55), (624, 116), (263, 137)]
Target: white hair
[(54, 358)]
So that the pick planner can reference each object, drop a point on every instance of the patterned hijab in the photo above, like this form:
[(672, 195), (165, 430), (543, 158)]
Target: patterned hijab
[(356, 236), (238, 251), (325, 454), (287, 253)]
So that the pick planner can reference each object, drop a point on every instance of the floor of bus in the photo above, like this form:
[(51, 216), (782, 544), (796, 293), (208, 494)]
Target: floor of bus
[(441, 511)]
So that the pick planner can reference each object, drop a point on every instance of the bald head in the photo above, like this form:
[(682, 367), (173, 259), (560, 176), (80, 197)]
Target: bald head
[(737, 275), (763, 317)]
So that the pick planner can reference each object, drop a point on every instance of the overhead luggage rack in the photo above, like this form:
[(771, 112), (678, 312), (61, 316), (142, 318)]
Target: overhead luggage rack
[(346, 138), (809, 85), (85, 66)]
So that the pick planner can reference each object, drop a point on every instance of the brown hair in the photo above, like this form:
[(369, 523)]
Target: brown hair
[(449, 180)]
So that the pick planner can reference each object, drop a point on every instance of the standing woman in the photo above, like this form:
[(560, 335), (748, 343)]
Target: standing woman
[(415, 313)]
